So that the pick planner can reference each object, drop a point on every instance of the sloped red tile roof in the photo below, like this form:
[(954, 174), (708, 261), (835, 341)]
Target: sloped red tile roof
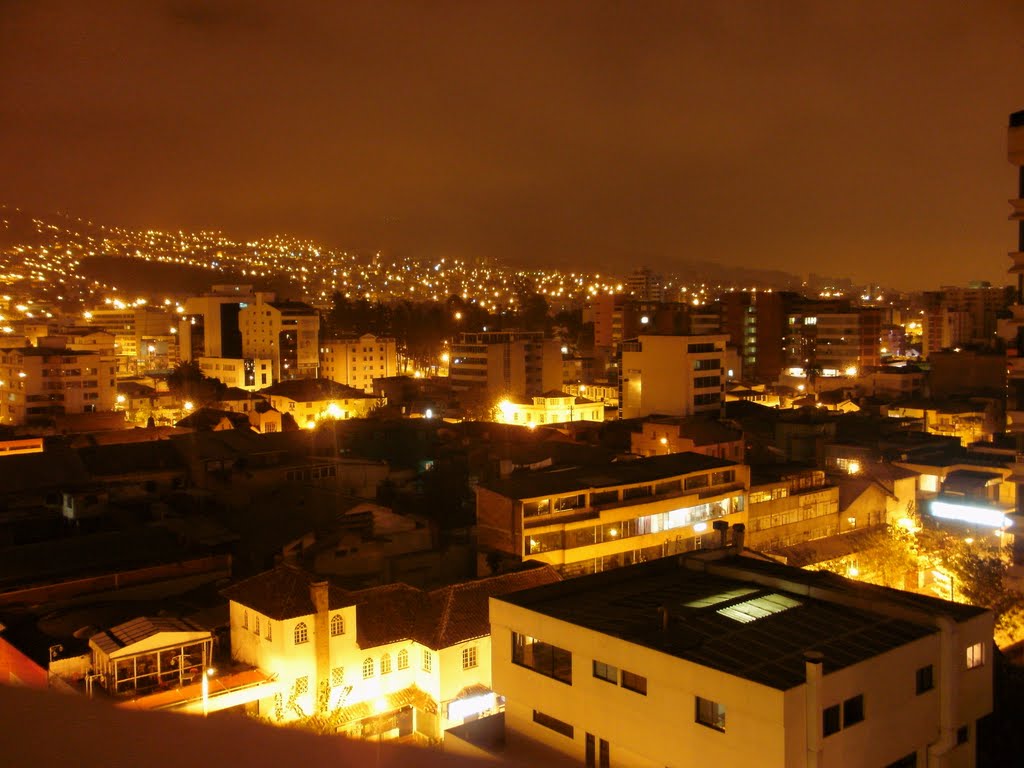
[(391, 613), (282, 593)]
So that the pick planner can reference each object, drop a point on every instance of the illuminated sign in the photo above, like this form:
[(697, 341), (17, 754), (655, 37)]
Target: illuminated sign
[(986, 516)]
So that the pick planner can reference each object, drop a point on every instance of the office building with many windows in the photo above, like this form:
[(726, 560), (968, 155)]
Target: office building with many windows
[(588, 519)]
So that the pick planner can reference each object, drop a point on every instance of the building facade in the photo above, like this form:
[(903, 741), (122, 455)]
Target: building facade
[(285, 332), (672, 375), (356, 361), (714, 658), (244, 373), (584, 520), (501, 363)]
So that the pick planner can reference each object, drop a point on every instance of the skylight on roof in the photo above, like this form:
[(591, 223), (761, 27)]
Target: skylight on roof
[(758, 607), (719, 597)]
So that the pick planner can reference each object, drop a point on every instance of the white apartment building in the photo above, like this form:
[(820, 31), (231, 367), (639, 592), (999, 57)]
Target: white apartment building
[(587, 519), (554, 407), (382, 662), (357, 361), (244, 373), (37, 382), (716, 658), (672, 375), (284, 332)]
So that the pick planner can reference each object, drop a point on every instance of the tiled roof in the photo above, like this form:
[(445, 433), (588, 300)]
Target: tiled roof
[(391, 613), (282, 593)]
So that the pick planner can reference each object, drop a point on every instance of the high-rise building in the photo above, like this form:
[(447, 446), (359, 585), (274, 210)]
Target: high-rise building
[(645, 285), (756, 324), (506, 363), (46, 381), (285, 332), (672, 375), (209, 325), (356, 361)]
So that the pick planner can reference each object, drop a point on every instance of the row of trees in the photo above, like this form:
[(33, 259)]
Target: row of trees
[(977, 572)]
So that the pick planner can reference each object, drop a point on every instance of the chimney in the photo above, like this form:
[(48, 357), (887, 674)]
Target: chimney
[(319, 594), (739, 534), (723, 532), (814, 662)]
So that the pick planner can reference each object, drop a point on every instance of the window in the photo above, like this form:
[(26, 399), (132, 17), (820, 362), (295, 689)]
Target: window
[(385, 664), (925, 679), (606, 672), (270, 630), (302, 685), (638, 684), (830, 720), (367, 668), (556, 725), (975, 655), (337, 676), (403, 659), (256, 625), (962, 734), (469, 657), (853, 710), (301, 633), (337, 625), (710, 713), (245, 619), (428, 661), (542, 657)]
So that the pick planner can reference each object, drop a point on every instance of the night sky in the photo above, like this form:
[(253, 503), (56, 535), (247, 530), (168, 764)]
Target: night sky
[(851, 138)]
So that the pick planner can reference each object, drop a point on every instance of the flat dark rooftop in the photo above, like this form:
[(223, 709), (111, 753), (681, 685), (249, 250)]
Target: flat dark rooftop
[(730, 623), (531, 484)]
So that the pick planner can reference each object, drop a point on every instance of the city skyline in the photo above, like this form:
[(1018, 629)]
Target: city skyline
[(865, 141)]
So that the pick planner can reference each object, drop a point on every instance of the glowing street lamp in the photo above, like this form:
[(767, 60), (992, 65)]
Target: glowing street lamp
[(207, 674), (189, 405)]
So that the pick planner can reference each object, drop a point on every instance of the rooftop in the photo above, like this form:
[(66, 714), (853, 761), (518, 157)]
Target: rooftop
[(743, 616), (532, 484)]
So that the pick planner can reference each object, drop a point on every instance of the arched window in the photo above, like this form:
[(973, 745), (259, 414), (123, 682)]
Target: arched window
[(385, 663), (403, 659), (256, 625), (337, 625), (367, 668), (245, 619), (270, 630), (301, 633)]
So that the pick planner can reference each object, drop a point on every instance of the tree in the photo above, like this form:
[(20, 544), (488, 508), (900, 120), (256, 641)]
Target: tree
[(188, 382)]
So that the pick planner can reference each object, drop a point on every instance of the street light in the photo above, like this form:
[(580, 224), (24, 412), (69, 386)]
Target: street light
[(207, 674)]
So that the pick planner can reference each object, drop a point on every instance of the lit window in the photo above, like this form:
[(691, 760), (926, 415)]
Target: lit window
[(469, 658), (710, 713), (301, 633), (428, 661), (403, 659), (367, 668), (975, 655), (337, 676), (337, 625), (302, 685), (385, 664)]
